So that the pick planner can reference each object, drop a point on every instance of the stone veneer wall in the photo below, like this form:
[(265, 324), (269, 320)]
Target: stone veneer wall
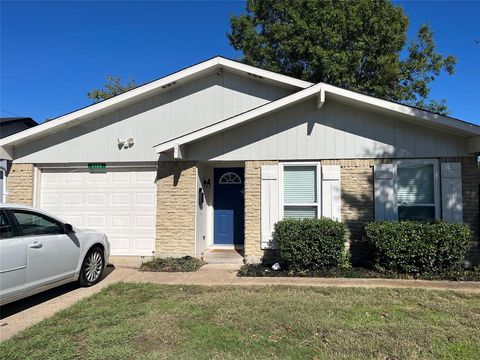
[(20, 184), (253, 251), (176, 194), (357, 206)]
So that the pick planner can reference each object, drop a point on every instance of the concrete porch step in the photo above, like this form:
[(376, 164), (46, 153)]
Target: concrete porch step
[(223, 256)]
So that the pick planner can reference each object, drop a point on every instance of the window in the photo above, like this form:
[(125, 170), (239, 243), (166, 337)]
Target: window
[(417, 190), (6, 230), (230, 178), (37, 224), (300, 191)]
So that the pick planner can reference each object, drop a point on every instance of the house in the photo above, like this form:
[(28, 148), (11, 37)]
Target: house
[(13, 125), (9, 126), (213, 155)]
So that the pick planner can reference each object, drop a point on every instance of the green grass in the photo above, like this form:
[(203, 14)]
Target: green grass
[(183, 264), (146, 321)]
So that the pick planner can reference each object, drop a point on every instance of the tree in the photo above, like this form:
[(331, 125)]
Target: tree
[(112, 88), (352, 44)]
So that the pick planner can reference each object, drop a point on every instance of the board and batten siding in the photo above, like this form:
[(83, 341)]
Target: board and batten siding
[(336, 131), (184, 108)]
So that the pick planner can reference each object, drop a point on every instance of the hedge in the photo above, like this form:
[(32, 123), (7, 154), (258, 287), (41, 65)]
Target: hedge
[(417, 247), (310, 244)]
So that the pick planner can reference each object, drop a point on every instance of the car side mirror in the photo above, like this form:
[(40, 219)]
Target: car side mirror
[(68, 228)]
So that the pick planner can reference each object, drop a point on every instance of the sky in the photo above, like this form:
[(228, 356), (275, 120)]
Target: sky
[(53, 53)]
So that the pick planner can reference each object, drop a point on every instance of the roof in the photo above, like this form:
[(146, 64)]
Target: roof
[(306, 90), (26, 120), (324, 92), (150, 89)]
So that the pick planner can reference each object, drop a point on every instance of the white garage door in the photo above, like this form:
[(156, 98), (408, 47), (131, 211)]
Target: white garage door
[(120, 203)]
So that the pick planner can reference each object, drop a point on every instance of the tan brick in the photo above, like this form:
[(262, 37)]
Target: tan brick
[(20, 184), (252, 208), (175, 230)]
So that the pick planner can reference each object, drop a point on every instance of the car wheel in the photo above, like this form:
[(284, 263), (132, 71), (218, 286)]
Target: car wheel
[(92, 267)]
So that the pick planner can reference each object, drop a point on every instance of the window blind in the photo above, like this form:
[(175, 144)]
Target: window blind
[(300, 212), (300, 185), (415, 184)]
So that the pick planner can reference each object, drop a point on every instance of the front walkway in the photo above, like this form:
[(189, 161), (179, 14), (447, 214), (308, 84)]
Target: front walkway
[(18, 316)]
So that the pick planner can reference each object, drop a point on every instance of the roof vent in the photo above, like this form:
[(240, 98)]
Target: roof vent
[(168, 85), (255, 76)]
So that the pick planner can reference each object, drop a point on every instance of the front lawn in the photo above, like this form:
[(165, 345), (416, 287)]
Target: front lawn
[(146, 321)]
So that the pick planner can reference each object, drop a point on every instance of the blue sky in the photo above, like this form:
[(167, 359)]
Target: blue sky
[(53, 53)]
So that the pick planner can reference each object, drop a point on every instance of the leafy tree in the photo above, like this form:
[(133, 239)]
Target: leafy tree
[(353, 44), (112, 88)]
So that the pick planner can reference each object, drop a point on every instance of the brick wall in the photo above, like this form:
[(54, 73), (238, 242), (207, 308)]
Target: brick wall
[(357, 200), (253, 251), (20, 184), (176, 194)]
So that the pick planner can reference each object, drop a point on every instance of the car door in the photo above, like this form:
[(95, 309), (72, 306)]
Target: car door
[(13, 260), (52, 255)]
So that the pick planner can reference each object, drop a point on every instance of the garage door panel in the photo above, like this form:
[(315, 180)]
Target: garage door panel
[(50, 199), (96, 199), (121, 221), (144, 198), (142, 243), (73, 199), (120, 203), (96, 178), (76, 178)]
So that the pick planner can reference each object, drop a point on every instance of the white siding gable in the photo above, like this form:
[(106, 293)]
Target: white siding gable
[(336, 131), (184, 108)]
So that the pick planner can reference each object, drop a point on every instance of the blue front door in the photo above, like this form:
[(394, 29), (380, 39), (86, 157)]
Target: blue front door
[(228, 204)]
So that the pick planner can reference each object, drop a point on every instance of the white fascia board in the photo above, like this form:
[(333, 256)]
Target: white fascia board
[(425, 117), (321, 98), (239, 119), (124, 99), (283, 79)]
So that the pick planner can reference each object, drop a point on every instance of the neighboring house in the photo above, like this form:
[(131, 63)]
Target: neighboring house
[(213, 155), (9, 126)]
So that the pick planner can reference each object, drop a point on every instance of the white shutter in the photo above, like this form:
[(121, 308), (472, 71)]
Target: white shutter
[(331, 195), (452, 205), (269, 203), (384, 190)]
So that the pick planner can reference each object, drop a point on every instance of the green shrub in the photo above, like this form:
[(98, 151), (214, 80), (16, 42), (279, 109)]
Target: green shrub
[(418, 247), (183, 264), (310, 244)]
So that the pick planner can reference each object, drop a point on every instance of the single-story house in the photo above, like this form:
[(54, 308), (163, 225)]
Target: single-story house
[(213, 155)]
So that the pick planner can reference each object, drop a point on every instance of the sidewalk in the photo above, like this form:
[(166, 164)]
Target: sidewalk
[(216, 274), (18, 316)]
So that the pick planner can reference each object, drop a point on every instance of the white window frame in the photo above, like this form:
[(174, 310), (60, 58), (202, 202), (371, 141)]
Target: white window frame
[(281, 192), (436, 183)]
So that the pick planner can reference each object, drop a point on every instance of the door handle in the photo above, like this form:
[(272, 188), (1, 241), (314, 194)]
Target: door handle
[(36, 245)]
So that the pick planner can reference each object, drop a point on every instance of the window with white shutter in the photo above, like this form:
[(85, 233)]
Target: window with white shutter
[(417, 195), (301, 191)]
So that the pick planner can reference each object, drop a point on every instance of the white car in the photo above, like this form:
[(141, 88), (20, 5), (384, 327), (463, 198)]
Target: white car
[(38, 251)]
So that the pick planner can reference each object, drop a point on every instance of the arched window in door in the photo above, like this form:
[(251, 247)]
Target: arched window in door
[(230, 178)]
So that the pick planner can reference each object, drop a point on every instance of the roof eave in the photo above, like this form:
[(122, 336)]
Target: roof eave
[(149, 89), (322, 90)]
